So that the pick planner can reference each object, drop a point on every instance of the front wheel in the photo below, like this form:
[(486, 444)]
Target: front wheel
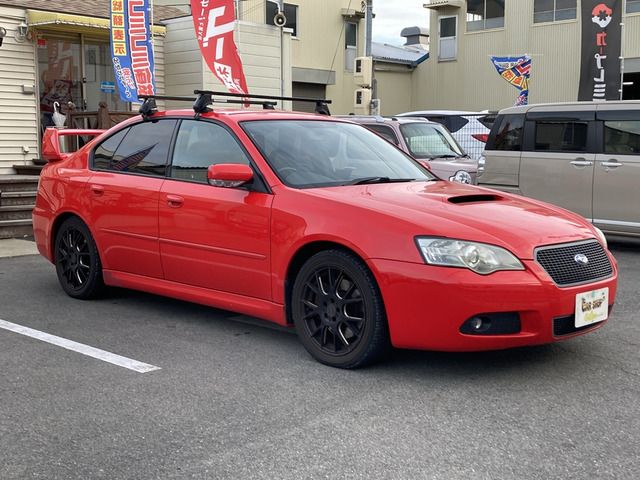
[(77, 260), (338, 311)]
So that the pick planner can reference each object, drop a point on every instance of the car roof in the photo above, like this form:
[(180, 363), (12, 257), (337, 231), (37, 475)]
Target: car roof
[(564, 105), (439, 112), (384, 120)]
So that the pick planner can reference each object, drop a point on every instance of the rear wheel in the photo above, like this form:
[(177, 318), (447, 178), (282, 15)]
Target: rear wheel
[(77, 261), (338, 311)]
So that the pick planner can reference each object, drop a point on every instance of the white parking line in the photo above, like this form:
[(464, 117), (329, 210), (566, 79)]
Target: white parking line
[(80, 348)]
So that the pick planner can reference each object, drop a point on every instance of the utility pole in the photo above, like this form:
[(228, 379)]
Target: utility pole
[(375, 110)]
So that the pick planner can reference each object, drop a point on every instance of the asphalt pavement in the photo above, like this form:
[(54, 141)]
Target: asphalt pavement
[(236, 398)]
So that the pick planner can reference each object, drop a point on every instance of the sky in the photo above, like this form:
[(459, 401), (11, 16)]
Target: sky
[(394, 15)]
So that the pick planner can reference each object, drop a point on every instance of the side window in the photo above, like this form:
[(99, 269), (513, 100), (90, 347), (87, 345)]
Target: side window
[(103, 155), (561, 136), (144, 149), (448, 38), (385, 132), (201, 144), (509, 134), (622, 137)]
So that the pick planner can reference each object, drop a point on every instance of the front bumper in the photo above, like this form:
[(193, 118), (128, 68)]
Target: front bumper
[(426, 305)]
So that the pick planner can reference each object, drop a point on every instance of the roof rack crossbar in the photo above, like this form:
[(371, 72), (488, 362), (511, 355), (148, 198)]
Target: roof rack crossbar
[(261, 97)]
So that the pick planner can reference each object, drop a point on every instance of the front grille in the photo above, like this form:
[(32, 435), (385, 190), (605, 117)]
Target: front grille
[(559, 262)]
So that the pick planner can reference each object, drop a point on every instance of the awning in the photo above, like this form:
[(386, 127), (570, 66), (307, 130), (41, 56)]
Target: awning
[(435, 4), (74, 23)]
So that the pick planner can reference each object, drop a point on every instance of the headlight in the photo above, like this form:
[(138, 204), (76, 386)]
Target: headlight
[(461, 176), (478, 257), (481, 161), (602, 237)]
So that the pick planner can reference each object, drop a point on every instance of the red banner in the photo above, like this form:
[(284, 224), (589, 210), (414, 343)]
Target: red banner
[(214, 22)]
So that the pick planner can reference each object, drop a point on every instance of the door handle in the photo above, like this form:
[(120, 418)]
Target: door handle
[(97, 190), (175, 201), (581, 162), (611, 164)]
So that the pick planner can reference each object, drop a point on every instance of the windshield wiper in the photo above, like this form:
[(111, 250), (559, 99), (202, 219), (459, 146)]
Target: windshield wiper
[(369, 180), (448, 155)]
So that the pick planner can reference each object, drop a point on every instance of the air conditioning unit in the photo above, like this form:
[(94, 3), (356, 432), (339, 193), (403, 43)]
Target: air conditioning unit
[(362, 101), (362, 70)]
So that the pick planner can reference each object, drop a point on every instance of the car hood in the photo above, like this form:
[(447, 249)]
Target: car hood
[(455, 210)]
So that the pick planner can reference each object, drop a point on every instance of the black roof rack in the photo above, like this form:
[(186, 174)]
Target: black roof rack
[(200, 103), (322, 105)]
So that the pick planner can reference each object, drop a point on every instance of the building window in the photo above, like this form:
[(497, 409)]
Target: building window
[(484, 14), (447, 38), (553, 10), (290, 12), (633, 6), (350, 44)]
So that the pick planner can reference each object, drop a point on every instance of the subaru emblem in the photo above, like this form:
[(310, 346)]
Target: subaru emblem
[(581, 259)]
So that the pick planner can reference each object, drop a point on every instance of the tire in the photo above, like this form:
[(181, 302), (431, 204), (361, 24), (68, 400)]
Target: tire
[(77, 260), (338, 312)]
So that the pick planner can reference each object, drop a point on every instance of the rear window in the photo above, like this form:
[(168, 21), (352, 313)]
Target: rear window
[(509, 134), (622, 137), (385, 132), (455, 123), (561, 136)]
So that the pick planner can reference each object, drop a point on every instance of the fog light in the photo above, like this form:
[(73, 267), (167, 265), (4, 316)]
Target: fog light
[(503, 323), (479, 324)]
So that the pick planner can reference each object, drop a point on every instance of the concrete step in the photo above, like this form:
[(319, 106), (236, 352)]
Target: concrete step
[(16, 212), (28, 169), (8, 199), (15, 228), (18, 183)]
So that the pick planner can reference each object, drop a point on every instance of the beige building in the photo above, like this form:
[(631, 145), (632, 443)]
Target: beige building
[(459, 74), (312, 56)]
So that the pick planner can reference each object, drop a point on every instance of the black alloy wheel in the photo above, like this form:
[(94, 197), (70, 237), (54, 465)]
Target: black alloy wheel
[(77, 261), (338, 311)]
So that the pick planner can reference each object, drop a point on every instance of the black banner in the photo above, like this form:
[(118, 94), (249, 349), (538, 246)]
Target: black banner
[(601, 40)]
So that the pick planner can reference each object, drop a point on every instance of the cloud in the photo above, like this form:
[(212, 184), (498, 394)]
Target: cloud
[(394, 15)]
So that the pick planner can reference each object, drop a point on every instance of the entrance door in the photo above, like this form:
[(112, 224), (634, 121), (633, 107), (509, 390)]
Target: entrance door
[(73, 68), (99, 78)]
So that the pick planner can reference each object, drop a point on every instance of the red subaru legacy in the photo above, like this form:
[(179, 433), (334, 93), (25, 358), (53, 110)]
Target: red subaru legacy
[(321, 225)]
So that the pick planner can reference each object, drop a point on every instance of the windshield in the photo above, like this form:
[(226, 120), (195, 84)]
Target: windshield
[(425, 140), (312, 153)]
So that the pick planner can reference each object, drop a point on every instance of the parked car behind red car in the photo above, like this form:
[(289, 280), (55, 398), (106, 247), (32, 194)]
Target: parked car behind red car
[(318, 224)]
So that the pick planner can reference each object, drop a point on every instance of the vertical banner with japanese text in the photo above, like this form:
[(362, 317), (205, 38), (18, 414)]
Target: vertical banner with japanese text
[(516, 71), (601, 45), (131, 48), (214, 22)]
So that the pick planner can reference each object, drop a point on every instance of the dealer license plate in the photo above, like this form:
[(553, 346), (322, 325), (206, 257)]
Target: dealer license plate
[(592, 307)]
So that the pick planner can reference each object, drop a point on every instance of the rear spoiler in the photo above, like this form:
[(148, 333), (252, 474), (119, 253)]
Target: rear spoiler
[(52, 150)]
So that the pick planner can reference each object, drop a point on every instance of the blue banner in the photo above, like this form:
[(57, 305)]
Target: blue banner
[(131, 48), (516, 71)]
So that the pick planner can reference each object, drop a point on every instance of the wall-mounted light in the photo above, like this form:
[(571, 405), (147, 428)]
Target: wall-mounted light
[(22, 30), (3, 33)]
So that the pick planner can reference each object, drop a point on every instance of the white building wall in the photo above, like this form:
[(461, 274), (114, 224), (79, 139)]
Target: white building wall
[(18, 110), (259, 49)]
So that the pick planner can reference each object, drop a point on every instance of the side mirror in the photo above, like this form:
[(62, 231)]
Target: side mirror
[(229, 175), (426, 164)]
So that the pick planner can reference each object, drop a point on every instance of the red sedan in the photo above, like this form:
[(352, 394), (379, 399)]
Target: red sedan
[(318, 224)]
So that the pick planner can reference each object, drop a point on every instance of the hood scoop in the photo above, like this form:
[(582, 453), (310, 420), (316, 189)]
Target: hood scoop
[(483, 197)]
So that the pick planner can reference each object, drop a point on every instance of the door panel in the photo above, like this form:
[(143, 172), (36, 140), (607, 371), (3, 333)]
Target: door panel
[(616, 196), (124, 210), (213, 237), (616, 193), (563, 179), (216, 238)]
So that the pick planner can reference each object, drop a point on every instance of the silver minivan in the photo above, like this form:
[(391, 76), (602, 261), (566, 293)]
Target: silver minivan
[(582, 156)]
